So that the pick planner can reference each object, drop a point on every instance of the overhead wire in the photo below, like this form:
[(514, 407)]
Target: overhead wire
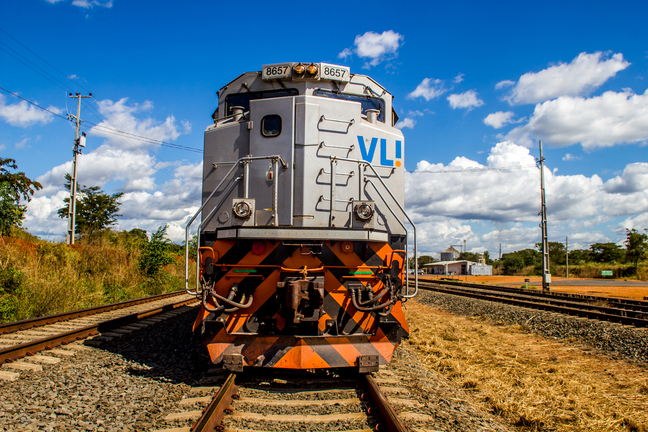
[(110, 130), (101, 117)]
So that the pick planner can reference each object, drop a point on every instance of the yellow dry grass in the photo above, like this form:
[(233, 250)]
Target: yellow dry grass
[(531, 382)]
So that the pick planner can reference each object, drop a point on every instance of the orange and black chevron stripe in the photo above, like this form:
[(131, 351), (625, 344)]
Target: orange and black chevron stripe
[(335, 337)]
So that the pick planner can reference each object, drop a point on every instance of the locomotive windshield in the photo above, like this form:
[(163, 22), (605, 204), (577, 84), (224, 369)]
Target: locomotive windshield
[(367, 102), (243, 99)]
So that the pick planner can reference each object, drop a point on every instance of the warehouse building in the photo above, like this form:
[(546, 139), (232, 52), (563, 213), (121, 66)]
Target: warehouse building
[(460, 267)]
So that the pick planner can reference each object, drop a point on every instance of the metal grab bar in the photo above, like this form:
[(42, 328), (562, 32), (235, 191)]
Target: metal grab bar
[(323, 144), (322, 118), (211, 213), (234, 166), (349, 174), (406, 295)]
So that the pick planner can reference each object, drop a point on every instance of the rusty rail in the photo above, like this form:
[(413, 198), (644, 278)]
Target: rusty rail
[(214, 412), (51, 319), (387, 413), (17, 351)]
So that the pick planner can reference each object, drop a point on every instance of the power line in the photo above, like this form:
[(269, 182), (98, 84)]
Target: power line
[(511, 168), (112, 130), (98, 114)]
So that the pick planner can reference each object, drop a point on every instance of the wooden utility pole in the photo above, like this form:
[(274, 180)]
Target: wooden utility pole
[(73, 183)]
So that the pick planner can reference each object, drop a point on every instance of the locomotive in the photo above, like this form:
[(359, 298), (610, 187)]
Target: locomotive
[(302, 243)]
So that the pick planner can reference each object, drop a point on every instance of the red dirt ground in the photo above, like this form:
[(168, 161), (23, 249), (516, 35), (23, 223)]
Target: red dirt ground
[(603, 291)]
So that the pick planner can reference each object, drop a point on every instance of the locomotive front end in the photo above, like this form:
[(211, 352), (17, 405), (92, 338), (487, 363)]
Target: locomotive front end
[(302, 239)]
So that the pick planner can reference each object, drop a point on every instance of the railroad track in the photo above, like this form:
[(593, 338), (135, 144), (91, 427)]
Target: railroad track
[(28, 337), (276, 401), (624, 311)]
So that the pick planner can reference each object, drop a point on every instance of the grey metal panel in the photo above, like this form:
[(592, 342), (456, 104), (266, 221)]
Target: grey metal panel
[(282, 145), (224, 144), (303, 234)]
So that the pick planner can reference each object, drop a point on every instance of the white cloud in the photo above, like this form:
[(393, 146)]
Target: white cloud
[(505, 83), (467, 100), (53, 1), (23, 115), (89, 4), (584, 74), (416, 113), (466, 190), (499, 119), (406, 123), (634, 179), (601, 121), (459, 78), (428, 89), (377, 47), (21, 144), (570, 157), (144, 204)]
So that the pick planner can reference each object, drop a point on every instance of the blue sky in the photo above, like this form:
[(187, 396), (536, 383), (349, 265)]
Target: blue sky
[(476, 85)]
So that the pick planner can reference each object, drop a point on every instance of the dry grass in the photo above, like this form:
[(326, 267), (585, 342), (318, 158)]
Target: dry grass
[(532, 383), (41, 278)]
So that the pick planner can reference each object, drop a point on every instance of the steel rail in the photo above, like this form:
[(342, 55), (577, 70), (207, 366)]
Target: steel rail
[(17, 351), (634, 303), (64, 316), (213, 414), (630, 313), (573, 309), (387, 413)]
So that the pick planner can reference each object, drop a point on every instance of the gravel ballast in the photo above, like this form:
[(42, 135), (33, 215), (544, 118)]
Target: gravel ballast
[(615, 339)]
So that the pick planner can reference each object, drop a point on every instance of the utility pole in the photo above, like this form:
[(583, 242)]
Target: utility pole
[(566, 257), (73, 183), (546, 275)]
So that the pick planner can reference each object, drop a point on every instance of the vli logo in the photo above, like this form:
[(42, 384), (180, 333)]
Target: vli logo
[(368, 154)]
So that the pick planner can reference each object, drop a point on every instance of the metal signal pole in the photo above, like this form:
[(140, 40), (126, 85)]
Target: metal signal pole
[(73, 183), (546, 275), (566, 257)]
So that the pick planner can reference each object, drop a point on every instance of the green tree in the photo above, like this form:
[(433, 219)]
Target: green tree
[(95, 211), (156, 253), (636, 246), (512, 262), (556, 252), (13, 188), (487, 258), (470, 256), (579, 256), (606, 252)]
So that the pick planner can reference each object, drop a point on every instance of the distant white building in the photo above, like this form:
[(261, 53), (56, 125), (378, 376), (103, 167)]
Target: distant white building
[(461, 267)]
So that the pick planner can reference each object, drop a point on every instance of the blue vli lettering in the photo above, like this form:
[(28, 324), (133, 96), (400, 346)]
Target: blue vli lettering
[(368, 155)]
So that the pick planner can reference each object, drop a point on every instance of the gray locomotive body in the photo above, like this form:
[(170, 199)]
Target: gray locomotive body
[(302, 231)]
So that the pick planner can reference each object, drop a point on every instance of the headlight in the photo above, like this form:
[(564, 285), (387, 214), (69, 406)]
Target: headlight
[(364, 212), (299, 69), (242, 210), (312, 69)]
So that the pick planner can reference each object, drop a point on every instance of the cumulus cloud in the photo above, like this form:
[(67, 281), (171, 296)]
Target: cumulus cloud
[(406, 123), (145, 204), (23, 115), (584, 74), (601, 121), (634, 179), (467, 100), (89, 4), (428, 89), (570, 157), (499, 119), (378, 47), (459, 78), (500, 192), (505, 83)]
